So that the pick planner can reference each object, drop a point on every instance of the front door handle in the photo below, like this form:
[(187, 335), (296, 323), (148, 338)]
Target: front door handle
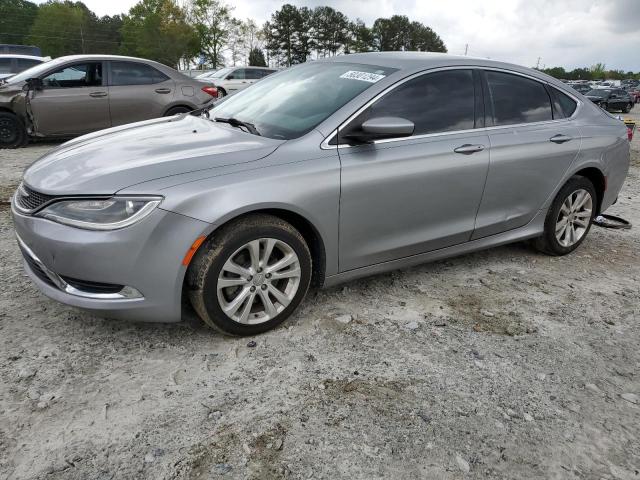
[(468, 149), (163, 90), (560, 138), (98, 94)]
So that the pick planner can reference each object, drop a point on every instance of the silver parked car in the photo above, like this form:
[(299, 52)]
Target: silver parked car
[(231, 80), (78, 94), (322, 173)]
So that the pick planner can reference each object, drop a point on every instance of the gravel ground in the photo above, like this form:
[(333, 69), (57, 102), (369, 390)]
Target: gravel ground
[(501, 364)]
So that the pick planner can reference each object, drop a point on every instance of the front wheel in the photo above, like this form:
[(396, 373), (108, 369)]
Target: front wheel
[(12, 131), (250, 276), (569, 218)]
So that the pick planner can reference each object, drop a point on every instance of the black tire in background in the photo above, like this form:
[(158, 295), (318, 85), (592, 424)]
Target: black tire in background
[(205, 268), (177, 110), (12, 131), (548, 242)]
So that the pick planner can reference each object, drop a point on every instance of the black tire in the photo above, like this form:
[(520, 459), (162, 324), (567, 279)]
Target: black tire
[(548, 243), (221, 92), (205, 268), (177, 110), (12, 131), (627, 107)]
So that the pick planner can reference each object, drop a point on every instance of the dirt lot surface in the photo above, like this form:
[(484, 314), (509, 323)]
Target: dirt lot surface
[(501, 364)]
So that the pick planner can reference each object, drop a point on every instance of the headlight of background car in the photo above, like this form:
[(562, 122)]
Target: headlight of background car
[(101, 214)]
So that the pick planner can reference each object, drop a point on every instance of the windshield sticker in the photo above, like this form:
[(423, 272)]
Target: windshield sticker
[(362, 76)]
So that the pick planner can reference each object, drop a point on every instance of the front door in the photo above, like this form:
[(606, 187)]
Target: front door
[(73, 100), (411, 195), (236, 81)]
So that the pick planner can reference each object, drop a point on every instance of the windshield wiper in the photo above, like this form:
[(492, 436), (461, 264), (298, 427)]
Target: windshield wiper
[(234, 122)]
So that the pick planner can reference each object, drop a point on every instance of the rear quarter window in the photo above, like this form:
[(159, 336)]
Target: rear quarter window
[(564, 103)]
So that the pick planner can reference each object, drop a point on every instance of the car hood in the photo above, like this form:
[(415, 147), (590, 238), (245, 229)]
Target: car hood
[(109, 160)]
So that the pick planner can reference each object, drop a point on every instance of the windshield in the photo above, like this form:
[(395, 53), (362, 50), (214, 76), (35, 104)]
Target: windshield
[(220, 73), (35, 71), (289, 104)]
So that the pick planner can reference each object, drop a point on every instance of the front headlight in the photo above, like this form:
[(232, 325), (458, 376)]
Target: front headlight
[(101, 214)]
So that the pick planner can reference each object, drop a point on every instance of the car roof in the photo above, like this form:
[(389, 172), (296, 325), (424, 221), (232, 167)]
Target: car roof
[(410, 62), (17, 55)]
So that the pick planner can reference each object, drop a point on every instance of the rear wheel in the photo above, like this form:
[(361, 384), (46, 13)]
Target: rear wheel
[(221, 92), (250, 276), (628, 107), (176, 111), (569, 218), (12, 131)]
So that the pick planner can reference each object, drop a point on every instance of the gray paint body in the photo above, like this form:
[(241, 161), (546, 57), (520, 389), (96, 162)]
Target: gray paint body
[(375, 207)]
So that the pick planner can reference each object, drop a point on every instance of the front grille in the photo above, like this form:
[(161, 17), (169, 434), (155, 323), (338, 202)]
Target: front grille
[(92, 287), (35, 268), (30, 200)]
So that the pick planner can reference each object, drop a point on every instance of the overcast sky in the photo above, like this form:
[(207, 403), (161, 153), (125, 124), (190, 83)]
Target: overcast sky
[(569, 33)]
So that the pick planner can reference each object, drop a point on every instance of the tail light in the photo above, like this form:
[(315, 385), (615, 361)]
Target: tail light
[(213, 91)]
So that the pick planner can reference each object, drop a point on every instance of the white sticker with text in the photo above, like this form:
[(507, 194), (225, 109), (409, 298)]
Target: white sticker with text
[(363, 76)]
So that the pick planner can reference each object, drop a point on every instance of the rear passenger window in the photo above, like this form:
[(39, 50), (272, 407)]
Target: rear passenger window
[(515, 99), (436, 102), (131, 73)]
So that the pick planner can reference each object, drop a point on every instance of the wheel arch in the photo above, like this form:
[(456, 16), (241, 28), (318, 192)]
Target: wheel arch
[(599, 181), (178, 104), (300, 222)]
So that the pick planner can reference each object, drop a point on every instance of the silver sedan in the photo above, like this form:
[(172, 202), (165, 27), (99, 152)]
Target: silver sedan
[(319, 174)]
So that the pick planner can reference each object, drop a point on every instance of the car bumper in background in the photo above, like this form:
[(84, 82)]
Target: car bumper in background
[(135, 273)]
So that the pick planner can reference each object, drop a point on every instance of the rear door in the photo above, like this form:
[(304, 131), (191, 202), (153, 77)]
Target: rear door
[(406, 196), (532, 146), (73, 100), (137, 91)]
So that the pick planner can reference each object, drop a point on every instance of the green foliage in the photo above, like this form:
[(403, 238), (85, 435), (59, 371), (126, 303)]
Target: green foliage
[(399, 33), (213, 24), (360, 38), (158, 30), (16, 18), (256, 58), (287, 35)]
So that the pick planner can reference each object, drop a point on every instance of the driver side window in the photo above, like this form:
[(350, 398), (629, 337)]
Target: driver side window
[(87, 74), (236, 75), (435, 102)]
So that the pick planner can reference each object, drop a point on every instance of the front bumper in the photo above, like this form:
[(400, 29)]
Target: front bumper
[(135, 273)]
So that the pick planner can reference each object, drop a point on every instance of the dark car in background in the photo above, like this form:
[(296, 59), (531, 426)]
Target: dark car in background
[(79, 94), (611, 99)]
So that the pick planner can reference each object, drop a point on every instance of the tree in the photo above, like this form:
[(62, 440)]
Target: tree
[(213, 24), (60, 28), (360, 38), (330, 30), (158, 30), (256, 58), (287, 35), (399, 33), (16, 18), (598, 71)]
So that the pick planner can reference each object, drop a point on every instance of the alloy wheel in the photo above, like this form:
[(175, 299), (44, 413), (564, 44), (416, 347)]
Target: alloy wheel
[(574, 218), (258, 281)]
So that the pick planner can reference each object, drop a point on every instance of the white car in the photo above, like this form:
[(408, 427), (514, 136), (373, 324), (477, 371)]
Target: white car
[(10, 64), (230, 80)]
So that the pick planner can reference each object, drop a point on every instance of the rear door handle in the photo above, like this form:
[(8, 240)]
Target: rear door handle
[(98, 94), (560, 138), (468, 149), (163, 90)]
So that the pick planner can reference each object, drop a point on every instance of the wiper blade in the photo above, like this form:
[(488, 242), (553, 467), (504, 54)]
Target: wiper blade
[(234, 122)]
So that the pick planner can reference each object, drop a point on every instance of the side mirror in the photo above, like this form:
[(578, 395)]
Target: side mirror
[(380, 128), (34, 83)]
